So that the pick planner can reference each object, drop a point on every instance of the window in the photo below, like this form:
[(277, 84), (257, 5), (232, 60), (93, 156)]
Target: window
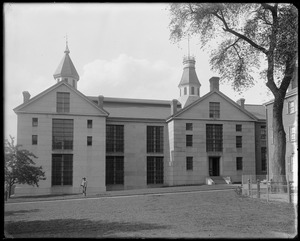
[(264, 159), (239, 163), (62, 134), (114, 170), (238, 142), (34, 139), (238, 128), (114, 138), (192, 90), (214, 137), (89, 140), (214, 109), (62, 169), (292, 133), (291, 107), (198, 91), (89, 124), (155, 139), (63, 102), (35, 121), (291, 163), (189, 163), (185, 91), (189, 126), (189, 140), (155, 170), (263, 133)]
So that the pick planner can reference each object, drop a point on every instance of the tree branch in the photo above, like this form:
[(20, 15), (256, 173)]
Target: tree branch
[(227, 29)]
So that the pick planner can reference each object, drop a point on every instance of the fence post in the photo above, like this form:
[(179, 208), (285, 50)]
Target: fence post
[(258, 188), (249, 187), (289, 191), (268, 186)]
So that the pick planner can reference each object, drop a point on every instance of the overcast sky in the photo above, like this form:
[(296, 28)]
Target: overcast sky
[(119, 50)]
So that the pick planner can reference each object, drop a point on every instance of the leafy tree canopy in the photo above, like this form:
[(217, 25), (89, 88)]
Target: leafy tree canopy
[(243, 36), (19, 165)]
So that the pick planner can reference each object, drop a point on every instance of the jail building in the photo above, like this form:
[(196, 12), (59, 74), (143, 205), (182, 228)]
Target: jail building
[(124, 143)]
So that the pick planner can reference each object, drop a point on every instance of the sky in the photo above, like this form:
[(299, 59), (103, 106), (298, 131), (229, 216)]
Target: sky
[(119, 50)]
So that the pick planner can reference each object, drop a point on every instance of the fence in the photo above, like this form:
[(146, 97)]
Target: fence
[(258, 186)]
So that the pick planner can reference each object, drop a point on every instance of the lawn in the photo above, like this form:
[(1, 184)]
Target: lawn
[(221, 214)]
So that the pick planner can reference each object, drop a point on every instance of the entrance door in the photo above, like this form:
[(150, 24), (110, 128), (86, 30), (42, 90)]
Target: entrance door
[(214, 166)]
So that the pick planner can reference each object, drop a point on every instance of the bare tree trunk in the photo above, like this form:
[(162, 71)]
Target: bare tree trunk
[(278, 166)]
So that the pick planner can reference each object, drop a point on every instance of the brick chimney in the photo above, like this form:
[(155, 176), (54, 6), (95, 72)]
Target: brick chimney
[(241, 102), (26, 96), (174, 103), (100, 101), (214, 83)]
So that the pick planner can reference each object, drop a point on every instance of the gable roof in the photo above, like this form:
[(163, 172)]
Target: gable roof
[(53, 87), (215, 91)]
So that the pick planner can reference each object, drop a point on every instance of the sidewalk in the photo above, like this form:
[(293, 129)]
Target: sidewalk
[(123, 192)]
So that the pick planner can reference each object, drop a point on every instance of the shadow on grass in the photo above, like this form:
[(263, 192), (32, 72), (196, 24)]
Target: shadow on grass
[(74, 228), (12, 213)]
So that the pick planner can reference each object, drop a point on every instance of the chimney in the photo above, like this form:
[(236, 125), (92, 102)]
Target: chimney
[(241, 102), (100, 101), (214, 83), (174, 103), (26, 96)]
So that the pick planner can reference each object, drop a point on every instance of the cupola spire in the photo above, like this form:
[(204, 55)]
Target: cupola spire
[(66, 70), (189, 84)]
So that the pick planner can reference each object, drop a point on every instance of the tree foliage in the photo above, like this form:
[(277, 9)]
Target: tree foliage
[(244, 37), (20, 167)]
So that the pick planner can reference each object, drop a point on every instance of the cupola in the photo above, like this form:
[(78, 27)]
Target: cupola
[(66, 70), (189, 85)]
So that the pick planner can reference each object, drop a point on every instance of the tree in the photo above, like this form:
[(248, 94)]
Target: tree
[(250, 36), (19, 166)]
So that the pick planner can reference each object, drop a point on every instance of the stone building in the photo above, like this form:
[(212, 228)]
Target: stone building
[(120, 143)]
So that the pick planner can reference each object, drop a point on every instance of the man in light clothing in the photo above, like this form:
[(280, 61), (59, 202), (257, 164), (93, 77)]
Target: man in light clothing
[(84, 186)]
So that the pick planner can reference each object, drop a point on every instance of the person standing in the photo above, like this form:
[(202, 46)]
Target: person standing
[(84, 186)]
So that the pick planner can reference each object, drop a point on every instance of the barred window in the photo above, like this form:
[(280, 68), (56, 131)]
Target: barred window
[(263, 132), (292, 133), (89, 140), (35, 121), (189, 163), (114, 170), (238, 128), (62, 134), (239, 163), (89, 124), (214, 137), (239, 143), (189, 126), (189, 140), (214, 109), (62, 102), (155, 139), (155, 170), (114, 138), (34, 140), (62, 169)]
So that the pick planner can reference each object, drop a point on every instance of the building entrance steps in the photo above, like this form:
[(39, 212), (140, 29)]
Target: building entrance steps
[(218, 180)]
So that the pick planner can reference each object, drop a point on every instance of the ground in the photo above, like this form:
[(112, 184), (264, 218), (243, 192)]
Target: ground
[(194, 214)]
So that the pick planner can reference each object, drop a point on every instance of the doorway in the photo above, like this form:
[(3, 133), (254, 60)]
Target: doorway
[(214, 166)]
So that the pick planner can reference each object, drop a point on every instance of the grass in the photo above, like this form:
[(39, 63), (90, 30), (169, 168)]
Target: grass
[(205, 214)]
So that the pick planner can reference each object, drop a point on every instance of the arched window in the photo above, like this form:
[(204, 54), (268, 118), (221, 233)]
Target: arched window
[(192, 90), (185, 92)]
